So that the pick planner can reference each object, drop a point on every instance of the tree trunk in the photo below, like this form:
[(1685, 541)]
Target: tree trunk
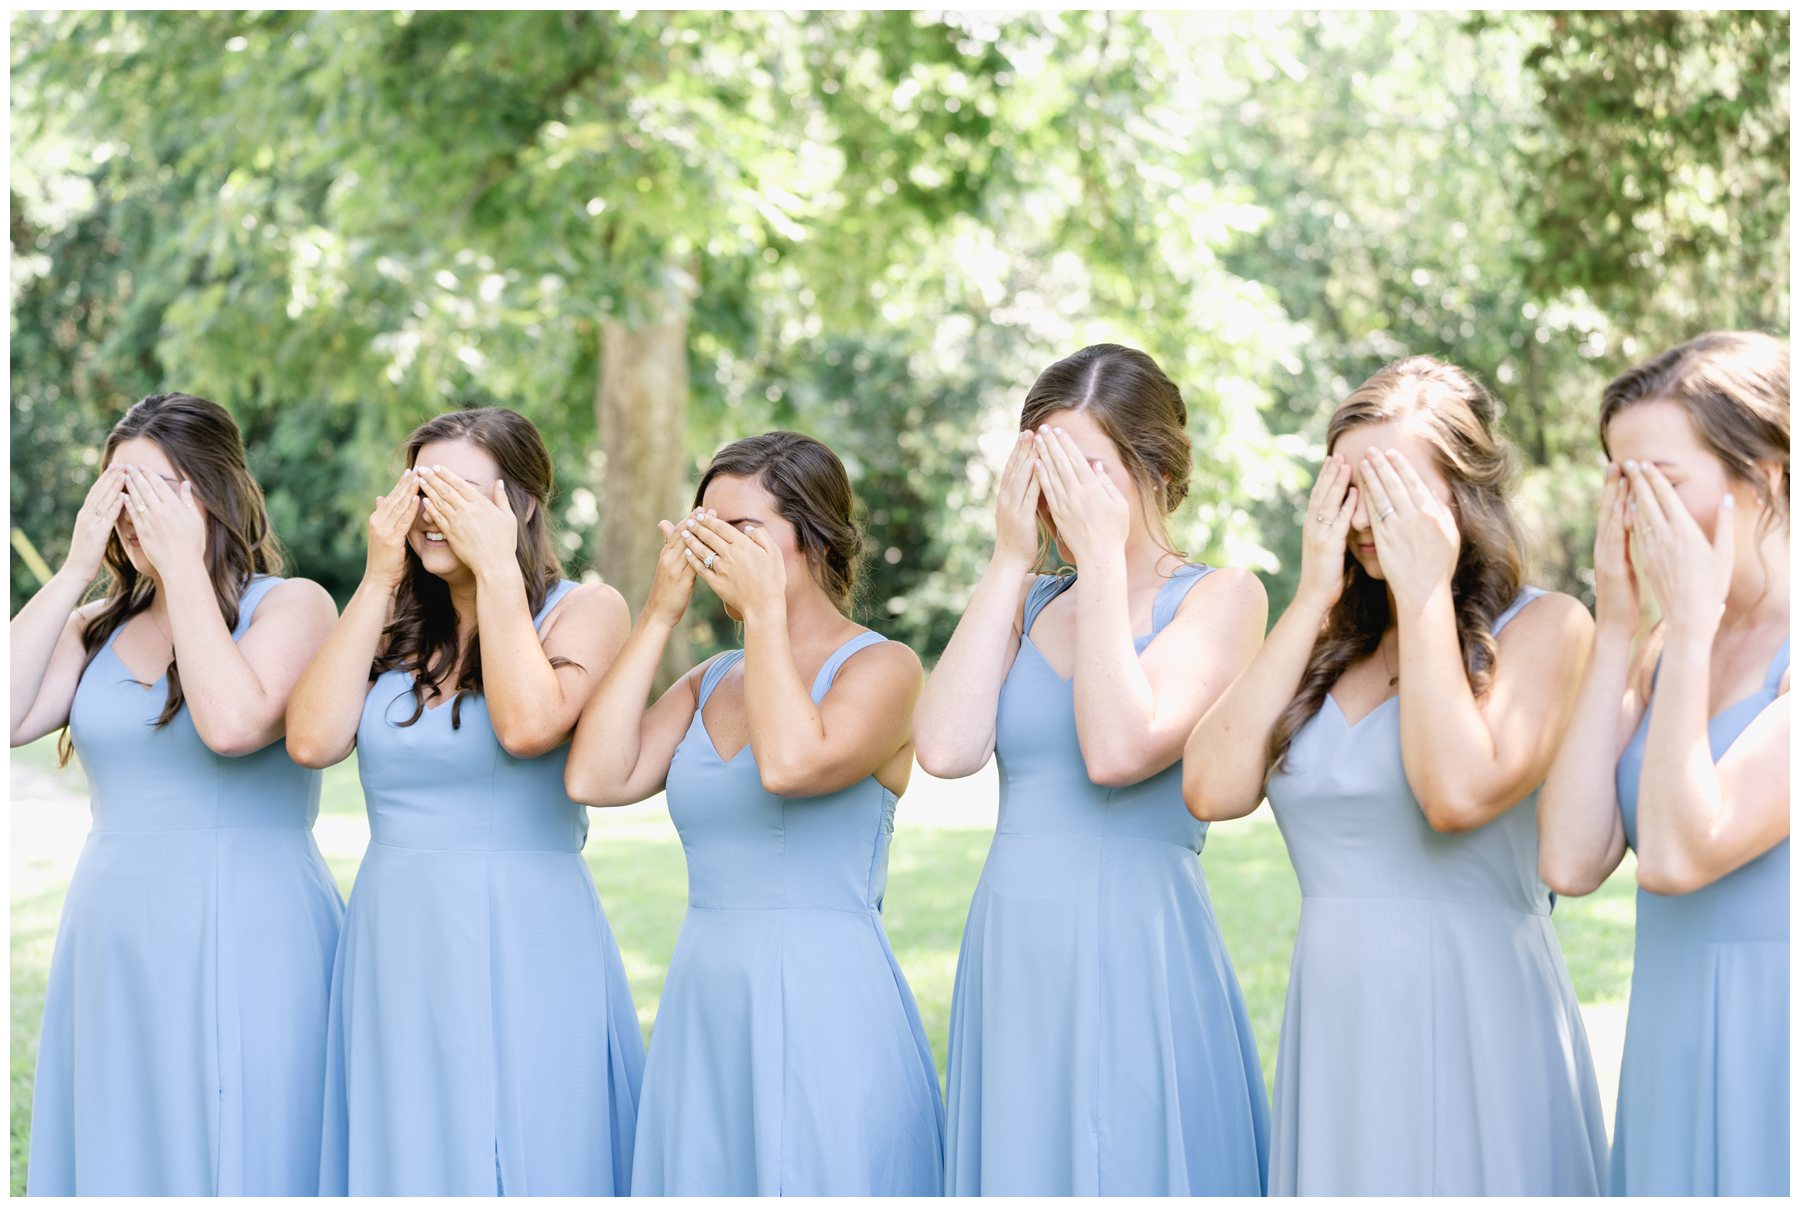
[(641, 408)]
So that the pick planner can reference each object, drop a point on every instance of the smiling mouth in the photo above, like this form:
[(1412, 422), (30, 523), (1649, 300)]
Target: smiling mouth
[(434, 538)]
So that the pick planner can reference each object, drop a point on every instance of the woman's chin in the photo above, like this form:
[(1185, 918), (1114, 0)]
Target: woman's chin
[(437, 559)]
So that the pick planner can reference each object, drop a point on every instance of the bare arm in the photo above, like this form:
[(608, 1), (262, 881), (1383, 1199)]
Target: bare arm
[(1466, 761), (1469, 761), (1223, 766), (1697, 821), (1581, 834), (622, 751), (45, 637), (807, 749), (326, 703), (533, 705), (953, 725), (1133, 715), (235, 691)]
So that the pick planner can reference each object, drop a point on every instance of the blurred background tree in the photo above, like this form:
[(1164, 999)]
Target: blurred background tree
[(655, 233)]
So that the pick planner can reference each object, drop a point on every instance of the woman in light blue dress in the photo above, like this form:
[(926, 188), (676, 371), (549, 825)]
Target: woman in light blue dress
[(1099, 1043), (1432, 1042), (482, 1034), (788, 1056), (184, 1020), (1695, 721)]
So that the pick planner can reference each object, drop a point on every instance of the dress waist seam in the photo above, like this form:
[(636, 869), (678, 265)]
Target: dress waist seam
[(776, 909), (1420, 898), (377, 842), (196, 829), (1080, 837)]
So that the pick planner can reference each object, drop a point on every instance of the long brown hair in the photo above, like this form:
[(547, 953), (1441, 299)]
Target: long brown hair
[(1455, 414), (1140, 410), (421, 637), (1734, 387), (204, 445), (812, 492)]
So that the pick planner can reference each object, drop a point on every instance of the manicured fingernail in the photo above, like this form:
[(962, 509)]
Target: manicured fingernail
[(1631, 465), (1730, 503)]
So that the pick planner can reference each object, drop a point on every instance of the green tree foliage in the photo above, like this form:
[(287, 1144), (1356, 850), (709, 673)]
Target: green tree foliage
[(875, 227)]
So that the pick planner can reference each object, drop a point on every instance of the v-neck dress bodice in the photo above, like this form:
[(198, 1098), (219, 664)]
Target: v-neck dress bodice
[(788, 1055), (483, 1038), (1099, 1043), (185, 1013), (1703, 1088), (1432, 1042)]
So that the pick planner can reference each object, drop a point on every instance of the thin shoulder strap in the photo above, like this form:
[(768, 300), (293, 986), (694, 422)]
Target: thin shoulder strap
[(1525, 596), (1046, 588), (258, 587), (718, 670), (1777, 667), (827, 673), (562, 588), (1171, 593)]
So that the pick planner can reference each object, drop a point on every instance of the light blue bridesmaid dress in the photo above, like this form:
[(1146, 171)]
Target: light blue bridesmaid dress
[(1432, 1042), (184, 1022), (483, 1038), (788, 1057), (1098, 1040), (1703, 1091)]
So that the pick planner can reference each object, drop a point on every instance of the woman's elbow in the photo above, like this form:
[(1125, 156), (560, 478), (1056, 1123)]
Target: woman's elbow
[(789, 779), (310, 752), (1453, 812), (1669, 877), (530, 739), (941, 762), (1566, 877), (582, 788)]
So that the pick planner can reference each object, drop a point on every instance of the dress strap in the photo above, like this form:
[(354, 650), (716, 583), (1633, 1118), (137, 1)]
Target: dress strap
[(554, 597), (827, 673), (1046, 588), (718, 670), (1777, 667), (1171, 593), (1525, 596), (259, 586)]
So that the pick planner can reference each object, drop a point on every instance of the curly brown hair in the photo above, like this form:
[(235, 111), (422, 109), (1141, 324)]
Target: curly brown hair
[(1456, 415), (421, 637), (203, 443)]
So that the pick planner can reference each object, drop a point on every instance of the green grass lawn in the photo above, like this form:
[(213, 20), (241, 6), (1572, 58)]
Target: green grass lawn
[(932, 873)]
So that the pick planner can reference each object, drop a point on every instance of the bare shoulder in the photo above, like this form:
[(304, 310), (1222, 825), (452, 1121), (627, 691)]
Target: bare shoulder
[(590, 602), (886, 659), (295, 601), (1552, 619), (1228, 591)]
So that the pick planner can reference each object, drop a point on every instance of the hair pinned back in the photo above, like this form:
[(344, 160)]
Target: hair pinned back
[(812, 492)]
